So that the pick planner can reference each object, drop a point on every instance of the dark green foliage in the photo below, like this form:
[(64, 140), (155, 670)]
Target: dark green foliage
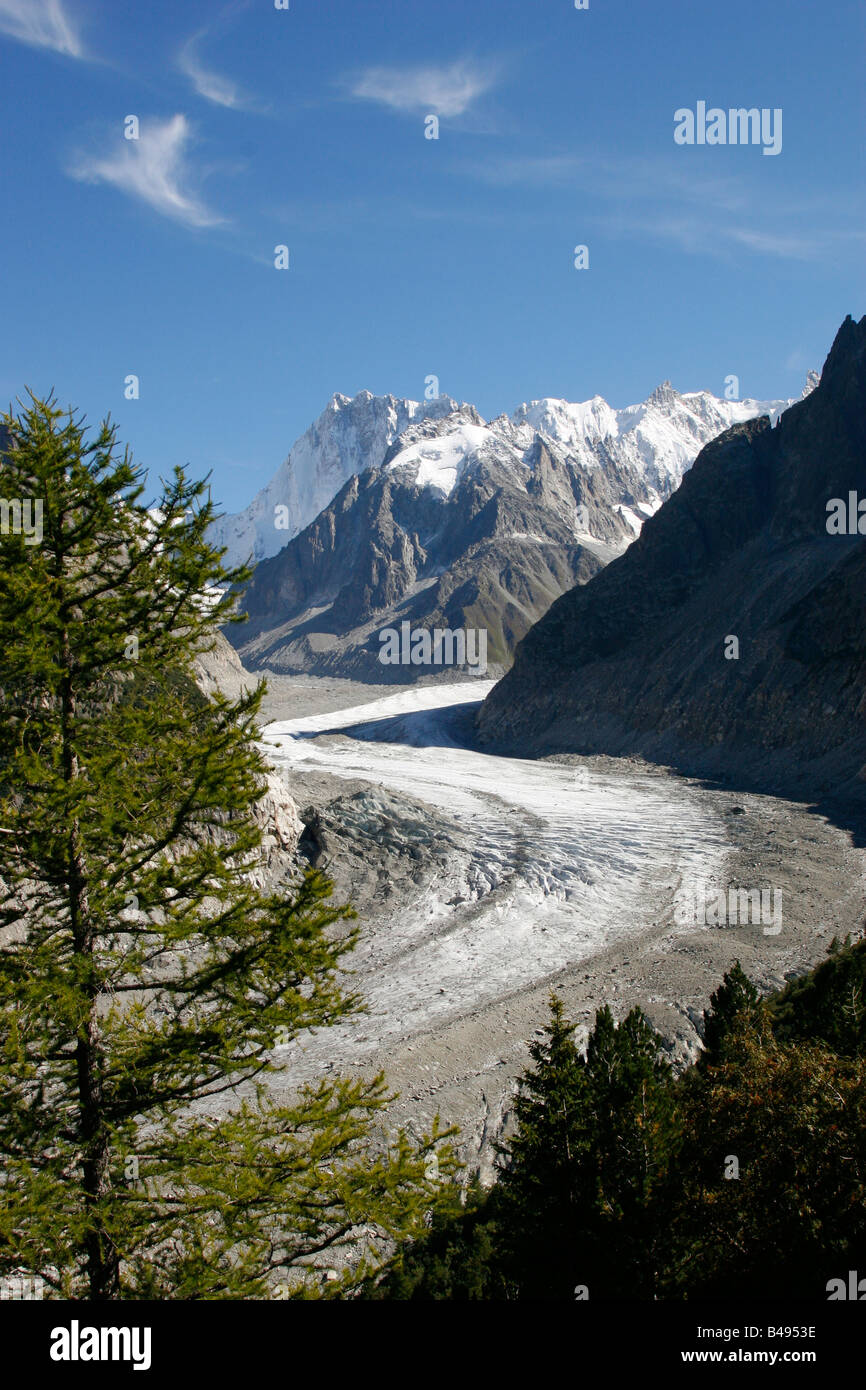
[(631, 1121), (745, 1177), (735, 996), (579, 1172), (142, 976), (771, 1192), (829, 1003), (541, 1189), (456, 1260)]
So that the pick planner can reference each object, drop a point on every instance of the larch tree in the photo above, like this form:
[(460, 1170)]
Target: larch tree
[(144, 981)]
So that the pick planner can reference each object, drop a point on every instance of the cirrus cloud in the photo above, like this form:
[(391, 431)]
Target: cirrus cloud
[(42, 24), (447, 91), (209, 84), (154, 169)]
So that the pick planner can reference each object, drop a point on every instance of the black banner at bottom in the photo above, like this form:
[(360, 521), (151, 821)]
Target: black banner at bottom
[(83, 1341)]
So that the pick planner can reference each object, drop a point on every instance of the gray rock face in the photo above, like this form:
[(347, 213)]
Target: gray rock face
[(221, 669), (276, 813), (492, 555), (635, 661), (277, 816), (463, 525)]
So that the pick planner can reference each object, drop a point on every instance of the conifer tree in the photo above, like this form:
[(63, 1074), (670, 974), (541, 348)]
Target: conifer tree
[(772, 1171), (548, 1108), (828, 1004), (580, 1172), (539, 1194), (455, 1261), (735, 996), (630, 1114), (144, 981), (629, 1089)]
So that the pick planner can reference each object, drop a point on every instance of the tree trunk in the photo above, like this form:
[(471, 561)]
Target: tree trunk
[(103, 1262)]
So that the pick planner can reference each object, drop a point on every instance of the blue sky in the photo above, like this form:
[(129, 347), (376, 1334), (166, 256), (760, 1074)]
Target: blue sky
[(412, 257)]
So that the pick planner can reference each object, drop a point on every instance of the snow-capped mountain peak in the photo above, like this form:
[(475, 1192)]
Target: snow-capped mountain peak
[(440, 462), (351, 433), (664, 395), (568, 422), (648, 447)]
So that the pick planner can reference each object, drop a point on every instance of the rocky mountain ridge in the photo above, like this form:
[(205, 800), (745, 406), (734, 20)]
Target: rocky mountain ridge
[(731, 637), (657, 438)]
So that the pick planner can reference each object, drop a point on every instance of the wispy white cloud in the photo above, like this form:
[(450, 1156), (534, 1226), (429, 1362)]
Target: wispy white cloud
[(153, 168), (783, 244), (210, 85), (702, 214), (708, 234), (444, 91), (614, 177), (41, 23), (534, 171)]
